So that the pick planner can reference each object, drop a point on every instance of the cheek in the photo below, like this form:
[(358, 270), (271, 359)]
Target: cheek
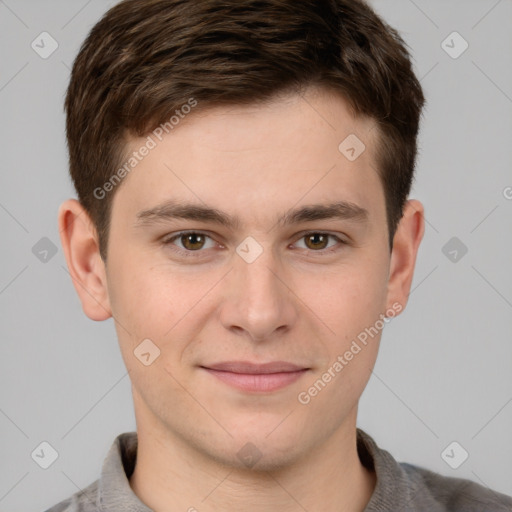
[(351, 307), (160, 303), (142, 293), (347, 301), (142, 307), (150, 306)]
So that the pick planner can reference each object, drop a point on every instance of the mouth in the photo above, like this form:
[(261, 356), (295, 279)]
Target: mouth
[(251, 377)]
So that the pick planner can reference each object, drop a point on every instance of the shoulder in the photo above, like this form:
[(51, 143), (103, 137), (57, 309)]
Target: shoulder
[(82, 501), (455, 494), (407, 487)]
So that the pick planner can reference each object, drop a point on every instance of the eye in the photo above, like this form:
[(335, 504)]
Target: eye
[(318, 242), (191, 241)]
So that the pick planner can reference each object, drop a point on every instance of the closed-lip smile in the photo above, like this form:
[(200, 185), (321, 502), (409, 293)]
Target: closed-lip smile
[(256, 377)]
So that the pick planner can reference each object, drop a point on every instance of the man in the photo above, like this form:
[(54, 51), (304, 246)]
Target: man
[(243, 171)]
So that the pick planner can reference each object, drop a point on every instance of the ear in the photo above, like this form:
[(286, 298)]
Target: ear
[(406, 242), (80, 244)]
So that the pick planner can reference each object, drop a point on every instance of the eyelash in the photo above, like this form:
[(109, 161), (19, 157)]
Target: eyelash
[(168, 242)]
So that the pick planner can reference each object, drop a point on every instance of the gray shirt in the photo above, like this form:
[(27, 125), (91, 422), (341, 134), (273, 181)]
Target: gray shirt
[(400, 486)]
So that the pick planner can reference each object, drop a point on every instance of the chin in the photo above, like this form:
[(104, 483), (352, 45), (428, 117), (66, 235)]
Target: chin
[(257, 458), (259, 452)]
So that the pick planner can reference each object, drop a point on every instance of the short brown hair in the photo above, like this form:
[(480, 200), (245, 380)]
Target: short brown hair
[(146, 58)]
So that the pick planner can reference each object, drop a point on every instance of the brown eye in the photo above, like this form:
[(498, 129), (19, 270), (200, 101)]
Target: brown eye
[(192, 241), (319, 242), (188, 242), (316, 240)]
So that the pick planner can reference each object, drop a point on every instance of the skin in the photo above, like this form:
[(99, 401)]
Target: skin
[(291, 304)]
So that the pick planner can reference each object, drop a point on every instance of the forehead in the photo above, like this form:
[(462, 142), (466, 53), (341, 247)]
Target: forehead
[(258, 159)]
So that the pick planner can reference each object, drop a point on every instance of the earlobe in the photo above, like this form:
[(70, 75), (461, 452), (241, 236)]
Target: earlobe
[(80, 245), (406, 243)]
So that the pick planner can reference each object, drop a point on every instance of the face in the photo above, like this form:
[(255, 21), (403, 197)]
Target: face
[(247, 237)]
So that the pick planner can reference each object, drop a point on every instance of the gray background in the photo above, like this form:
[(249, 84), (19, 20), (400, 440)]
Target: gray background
[(444, 370)]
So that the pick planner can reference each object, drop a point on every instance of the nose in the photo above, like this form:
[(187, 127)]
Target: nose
[(259, 302)]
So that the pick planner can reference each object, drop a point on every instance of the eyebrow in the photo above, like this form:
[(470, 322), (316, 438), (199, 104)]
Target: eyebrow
[(171, 209)]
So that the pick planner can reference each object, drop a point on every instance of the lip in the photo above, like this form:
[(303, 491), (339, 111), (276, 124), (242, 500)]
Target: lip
[(254, 377)]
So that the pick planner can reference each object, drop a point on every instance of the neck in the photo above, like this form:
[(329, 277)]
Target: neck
[(170, 475)]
